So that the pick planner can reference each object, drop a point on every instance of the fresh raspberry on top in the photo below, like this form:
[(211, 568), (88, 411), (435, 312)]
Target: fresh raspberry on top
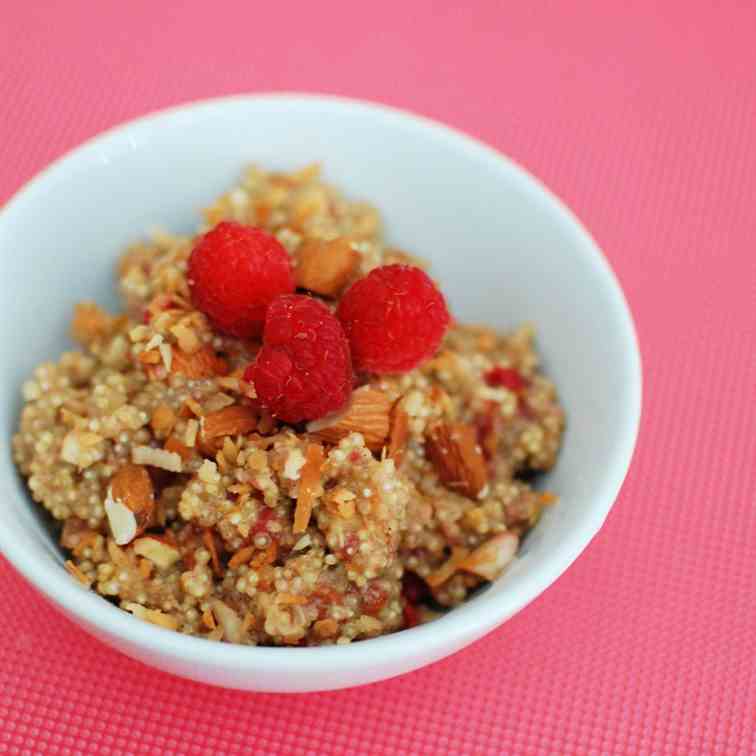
[(234, 273), (394, 318), (303, 370)]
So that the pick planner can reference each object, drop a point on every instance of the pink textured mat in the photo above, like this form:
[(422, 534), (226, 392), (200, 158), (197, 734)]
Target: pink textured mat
[(642, 116)]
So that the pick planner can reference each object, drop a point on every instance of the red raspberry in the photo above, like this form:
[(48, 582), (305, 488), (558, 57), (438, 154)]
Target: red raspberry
[(303, 370), (234, 273), (394, 318), (508, 378)]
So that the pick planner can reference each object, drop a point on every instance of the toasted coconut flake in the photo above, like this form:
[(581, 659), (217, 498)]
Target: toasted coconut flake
[(309, 487), (74, 570), (443, 573), (229, 620), (155, 616), (241, 557)]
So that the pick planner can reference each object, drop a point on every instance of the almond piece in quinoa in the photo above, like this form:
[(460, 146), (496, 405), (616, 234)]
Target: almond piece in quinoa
[(159, 551), (399, 434), (367, 413), (309, 486), (130, 503), (325, 267), (453, 449), (489, 560), (203, 363), (162, 421), (236, 420)]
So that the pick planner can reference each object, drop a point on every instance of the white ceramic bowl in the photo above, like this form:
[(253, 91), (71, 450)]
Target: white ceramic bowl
[(504, 248)]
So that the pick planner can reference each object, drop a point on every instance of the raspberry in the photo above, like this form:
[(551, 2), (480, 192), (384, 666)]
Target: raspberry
[(303, 370), (508, 378), (234, 273), (394, 318)]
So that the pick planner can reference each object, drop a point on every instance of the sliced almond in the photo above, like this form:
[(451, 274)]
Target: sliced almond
[(489, 560), (203, 363), (76, 572), (325, 267), (236, 420), (130, 503), (367, 413), (309, 487), (453, 449), (158, 551), (209, 540)]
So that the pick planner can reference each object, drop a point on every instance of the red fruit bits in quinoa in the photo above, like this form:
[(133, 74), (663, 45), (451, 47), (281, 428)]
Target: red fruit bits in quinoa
[(303, 371), (394, 318), (234, 272)]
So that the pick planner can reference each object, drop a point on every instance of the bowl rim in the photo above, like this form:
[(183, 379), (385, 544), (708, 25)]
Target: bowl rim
[(452, 630)]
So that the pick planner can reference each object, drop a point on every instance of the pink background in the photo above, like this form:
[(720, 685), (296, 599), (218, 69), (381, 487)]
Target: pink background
[(642, 116)]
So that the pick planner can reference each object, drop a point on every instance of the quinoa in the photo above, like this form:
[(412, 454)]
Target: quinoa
[(244, 529)]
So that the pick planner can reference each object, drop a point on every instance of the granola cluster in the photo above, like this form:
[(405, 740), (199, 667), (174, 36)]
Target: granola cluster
[(190, 506)]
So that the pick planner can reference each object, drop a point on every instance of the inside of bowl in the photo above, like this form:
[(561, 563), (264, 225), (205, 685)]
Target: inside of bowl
[(503, 250)]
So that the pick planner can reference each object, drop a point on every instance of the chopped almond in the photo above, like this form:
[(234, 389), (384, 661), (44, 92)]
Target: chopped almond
[(160, 552), (448, 568), (236, 420), (203, 363), (162, 421), (325, 267), (454, 451), (175, 446), (326, 628), (489, 560), (229, 620), (309, 486), (399, 434), (367, 413), (165, 460), (130, 502), (208, 620)]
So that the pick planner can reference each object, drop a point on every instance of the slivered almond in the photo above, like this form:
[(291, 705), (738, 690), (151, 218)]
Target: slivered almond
[(309, 487), (325, 267), (203, 363), (238, 419), (165, 460), (453, 449), (489, 560), (157, 550), (130, 502), (265, 557), (155, 616), (162, 421), (367, 413), (399, 434), (208, 620)]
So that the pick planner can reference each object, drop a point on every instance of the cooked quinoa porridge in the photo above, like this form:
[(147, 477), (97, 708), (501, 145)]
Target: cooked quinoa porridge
[(284, 439)]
